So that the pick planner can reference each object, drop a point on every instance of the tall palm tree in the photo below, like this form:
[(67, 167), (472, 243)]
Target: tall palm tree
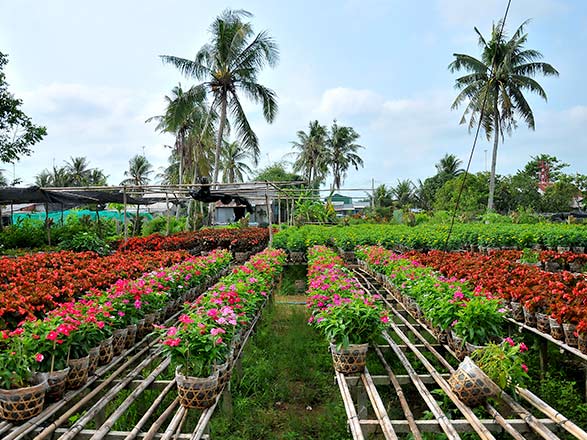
[(97, 177), (403, 192), (449, 166), (342, 152), (311, 155), (78, 171), (229, 64), (494, 86), (139, 170), (185, 116), (234, 168)]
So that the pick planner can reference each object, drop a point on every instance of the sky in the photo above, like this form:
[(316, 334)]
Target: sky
[(91, 73)]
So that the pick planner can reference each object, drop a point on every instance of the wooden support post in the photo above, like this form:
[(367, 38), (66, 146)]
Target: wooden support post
[(269, 215), (543, 357), (167, 211), (125, 219), (227, 407)]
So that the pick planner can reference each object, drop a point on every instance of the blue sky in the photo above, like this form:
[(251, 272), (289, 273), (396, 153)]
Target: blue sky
[(90, 72)]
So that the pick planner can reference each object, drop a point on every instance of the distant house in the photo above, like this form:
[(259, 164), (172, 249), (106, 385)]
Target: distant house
[(226, 213), (344, 205)]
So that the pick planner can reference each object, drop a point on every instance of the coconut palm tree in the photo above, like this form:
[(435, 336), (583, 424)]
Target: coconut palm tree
[(311, 154), (229, 65), (139, 170), (342, 152), (97, 177), (493, 88), (185, 116), (234, 168), (78, 171), (449, 166), (403, 192)]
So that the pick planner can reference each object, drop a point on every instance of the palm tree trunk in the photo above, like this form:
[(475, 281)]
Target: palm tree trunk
[(490, 203), (223, 105)]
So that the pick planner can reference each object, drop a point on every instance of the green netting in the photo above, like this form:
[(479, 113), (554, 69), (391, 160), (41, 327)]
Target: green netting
[(56, 215)]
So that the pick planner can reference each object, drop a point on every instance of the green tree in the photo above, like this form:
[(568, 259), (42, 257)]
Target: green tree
[(78, 171), (229, 65), (494, 87), (342, 152), (234, 167), (139, 170), (383, 197), (449, 166), (559, 196), (17, 132), (403, 192), (311, 154), (473, 196), (276, 172)]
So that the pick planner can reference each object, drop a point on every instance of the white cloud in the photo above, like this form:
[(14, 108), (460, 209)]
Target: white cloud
[(347, 102)]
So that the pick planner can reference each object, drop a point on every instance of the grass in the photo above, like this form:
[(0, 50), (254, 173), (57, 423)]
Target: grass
[(286, 389)]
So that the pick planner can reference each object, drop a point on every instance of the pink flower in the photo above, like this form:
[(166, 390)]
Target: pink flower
[(524, 367), (185, 319), (216, 331), (523, 347), (218, 341), (172, 342), (52, 335), (39, 357), (385, 319), (172, 331), (510, 341)]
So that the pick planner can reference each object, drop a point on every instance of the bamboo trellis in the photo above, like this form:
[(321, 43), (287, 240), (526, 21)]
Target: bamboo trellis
[(414, 346)]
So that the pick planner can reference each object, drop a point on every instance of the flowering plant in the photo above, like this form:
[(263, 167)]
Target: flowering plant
[(195, 344), (503, 363), (480, 320), (17, 363)]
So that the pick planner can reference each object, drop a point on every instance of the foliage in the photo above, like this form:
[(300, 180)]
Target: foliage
[(480, 320), (276, 172), (473, 197), (159, 225), (341, 310), (493, 88), (16, 364), (231, 69), (17, 132), (342, 152), (504, 364), (86, 241), (314, 211)]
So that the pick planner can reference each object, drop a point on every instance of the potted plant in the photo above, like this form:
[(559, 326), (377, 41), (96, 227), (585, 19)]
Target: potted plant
[(490, 369), (195, 346), (350, 324), (22, 392)]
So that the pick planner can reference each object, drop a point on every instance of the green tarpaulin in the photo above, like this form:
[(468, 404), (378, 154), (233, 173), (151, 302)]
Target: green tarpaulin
[(56, 215)]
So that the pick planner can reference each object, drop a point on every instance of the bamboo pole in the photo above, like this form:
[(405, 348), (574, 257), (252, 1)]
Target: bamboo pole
[(504, 423), (353, 418), (269, 216), (535, 424), (551, 413), (137, 428), (175, 424), (401, 396), (378, 406), (107, 425), (155, 426), (65, 416), (125, 219), (98, 406)]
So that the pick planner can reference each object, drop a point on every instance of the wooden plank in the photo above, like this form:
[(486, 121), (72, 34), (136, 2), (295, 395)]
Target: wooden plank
[(378, 406)]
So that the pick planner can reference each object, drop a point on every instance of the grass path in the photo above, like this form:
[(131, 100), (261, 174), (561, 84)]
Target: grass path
[(287, 390)]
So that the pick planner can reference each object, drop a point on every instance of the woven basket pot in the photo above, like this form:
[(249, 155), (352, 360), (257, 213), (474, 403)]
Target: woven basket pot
[(556, 330), (119, 340), (542, 322), (458, 345), (23, 403), (196, 392), (78, 373), (57, 381), (582, 342), (471, 385), (570, 338), (131, 336), (224, 371), (529, 317), (106, 351), (351, 359), (517, 311), (94, 356)]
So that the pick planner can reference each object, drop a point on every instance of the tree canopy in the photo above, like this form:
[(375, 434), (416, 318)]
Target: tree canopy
[(17, 132)]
